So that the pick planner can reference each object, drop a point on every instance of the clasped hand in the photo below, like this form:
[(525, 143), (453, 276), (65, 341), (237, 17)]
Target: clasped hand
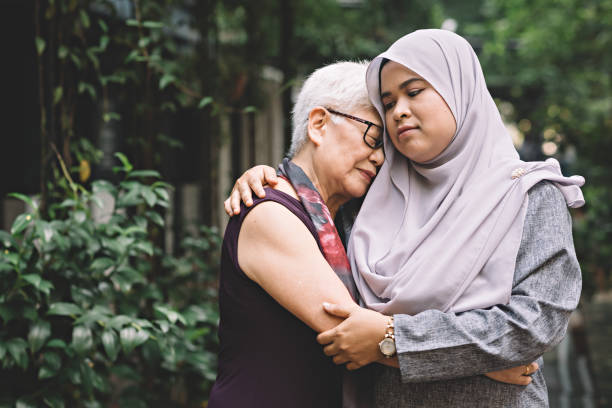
[(354, 342)]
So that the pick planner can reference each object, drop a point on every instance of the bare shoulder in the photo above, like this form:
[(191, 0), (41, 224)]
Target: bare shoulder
[(269, 232), (284, 186)]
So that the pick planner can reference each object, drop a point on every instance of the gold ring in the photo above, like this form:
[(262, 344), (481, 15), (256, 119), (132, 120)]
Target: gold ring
[(526, 370)]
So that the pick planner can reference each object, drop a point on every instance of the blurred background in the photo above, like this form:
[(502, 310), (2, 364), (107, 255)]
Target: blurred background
[(126, 122)]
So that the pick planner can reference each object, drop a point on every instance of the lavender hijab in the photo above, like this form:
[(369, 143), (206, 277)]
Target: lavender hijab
[(445, 234)]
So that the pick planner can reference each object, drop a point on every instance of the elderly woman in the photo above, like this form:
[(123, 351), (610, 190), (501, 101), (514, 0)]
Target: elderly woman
[(282, 257), (466, 246)]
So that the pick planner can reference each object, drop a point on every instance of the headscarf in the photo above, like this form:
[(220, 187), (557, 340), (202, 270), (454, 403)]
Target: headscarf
[(445, 234)]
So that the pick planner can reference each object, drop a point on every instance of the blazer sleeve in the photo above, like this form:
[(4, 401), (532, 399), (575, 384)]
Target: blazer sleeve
[(433, 345)]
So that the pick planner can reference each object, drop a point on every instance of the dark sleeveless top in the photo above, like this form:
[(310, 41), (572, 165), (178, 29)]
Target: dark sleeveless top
[(268, 358)]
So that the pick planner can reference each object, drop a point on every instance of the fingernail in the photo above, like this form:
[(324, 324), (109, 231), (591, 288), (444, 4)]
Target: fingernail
[(326, 305)]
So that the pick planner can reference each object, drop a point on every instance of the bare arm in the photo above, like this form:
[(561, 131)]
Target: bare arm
[(278, 252)]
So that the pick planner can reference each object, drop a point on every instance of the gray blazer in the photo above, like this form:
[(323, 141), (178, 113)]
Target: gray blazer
[(442, 355)]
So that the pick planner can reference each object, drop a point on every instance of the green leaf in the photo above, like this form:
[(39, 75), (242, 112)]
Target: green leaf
[(64, 309), (25, 199), (54, 401), (103, 25), (38, 282), (110, 343), (86, 87), (84, 18), (2, 350), (21, 222), (155, 218), (7, 313), (17, 349), (119, 321), (40, 45), (56, 343), (149, 196), (82, 340), (24, 403), (207, 100), (102, 264), (134, 55), (52, 362), (249, 109), (162, 193), (170, 314), (144, 173), (76, 60), (132, 22), (108, 116), (153, 24), (132, 338), (146, 247), (103, 42), (62, 52), (92, 316), (166, 80), (127, 166), (7, 239), (144, 42), (57, 94), (39, 333), (32, 278)]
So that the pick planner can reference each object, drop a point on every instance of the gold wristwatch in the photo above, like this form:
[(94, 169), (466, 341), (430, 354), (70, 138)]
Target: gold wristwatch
[(387, 345)]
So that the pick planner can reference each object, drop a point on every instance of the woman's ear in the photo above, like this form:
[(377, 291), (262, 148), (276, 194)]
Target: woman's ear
[(317, 124)]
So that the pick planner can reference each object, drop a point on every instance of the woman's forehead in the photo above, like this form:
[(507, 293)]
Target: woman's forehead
[(397, 68)]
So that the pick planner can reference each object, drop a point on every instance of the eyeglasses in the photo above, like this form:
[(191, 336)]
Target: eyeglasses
[(373, 141)]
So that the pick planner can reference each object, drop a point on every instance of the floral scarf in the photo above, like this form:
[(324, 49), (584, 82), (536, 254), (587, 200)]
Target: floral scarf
[(331, 245)]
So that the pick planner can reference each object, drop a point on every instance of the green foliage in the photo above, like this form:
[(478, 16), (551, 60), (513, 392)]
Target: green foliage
[(86, 317), (550, 60)]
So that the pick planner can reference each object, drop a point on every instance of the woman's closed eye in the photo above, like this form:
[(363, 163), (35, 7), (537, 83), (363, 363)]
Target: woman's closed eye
[(414, 92)]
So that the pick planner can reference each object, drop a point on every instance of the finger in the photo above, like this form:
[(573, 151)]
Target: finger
[(270, 176), (256, 183), (337, 310), (327, 337), (525, 380), (330, 350), (228, 207), (340, 359), (533, 367), (352, 366), (245, 193), (235, 201)]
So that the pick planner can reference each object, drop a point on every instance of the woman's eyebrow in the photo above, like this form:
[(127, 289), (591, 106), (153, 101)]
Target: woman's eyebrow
[(402, 86)]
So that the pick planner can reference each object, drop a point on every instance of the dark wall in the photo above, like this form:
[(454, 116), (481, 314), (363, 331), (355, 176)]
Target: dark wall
[(19, 161)]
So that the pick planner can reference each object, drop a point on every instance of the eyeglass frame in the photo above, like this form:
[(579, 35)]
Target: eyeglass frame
[(378, 144)]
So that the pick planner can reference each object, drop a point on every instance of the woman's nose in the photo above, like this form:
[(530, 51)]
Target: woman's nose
[(402, 109), (377, 156)]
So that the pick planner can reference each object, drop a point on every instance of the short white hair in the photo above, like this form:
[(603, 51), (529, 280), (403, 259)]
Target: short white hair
[(340, 86)]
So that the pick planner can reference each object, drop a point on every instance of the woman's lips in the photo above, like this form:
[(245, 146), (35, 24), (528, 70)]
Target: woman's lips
[(405, 131), (368, 175)]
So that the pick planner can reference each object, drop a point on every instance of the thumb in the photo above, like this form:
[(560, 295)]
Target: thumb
[(337, 310)]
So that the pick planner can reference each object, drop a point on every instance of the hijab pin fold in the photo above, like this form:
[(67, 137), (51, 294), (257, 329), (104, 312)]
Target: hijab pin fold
[(518, 173)]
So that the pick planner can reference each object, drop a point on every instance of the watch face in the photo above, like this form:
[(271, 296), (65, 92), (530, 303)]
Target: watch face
[(387, 347)]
